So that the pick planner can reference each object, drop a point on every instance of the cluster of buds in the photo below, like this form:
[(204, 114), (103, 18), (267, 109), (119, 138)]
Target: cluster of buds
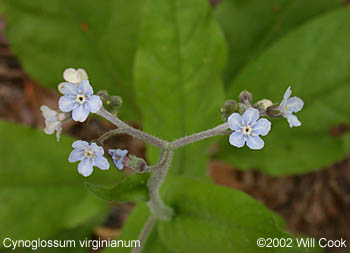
[(243, 117)]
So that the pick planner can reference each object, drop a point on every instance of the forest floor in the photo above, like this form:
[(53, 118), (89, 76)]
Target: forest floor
[(316, 204)]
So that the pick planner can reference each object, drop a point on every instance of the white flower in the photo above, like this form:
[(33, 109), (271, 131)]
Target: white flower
[(53, 121), (247, 129), (290, 105), (89, 155), (71, 75)]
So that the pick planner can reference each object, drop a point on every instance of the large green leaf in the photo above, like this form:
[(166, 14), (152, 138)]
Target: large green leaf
[(131, 188), (315, 61), (40, 191), (209, 218), (253, 25), (99, 36), (177, 75)]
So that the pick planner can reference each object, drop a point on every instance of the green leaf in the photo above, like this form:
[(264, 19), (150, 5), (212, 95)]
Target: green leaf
[(79, 233), (132, 227), (99, 36), (131, 188), (252, 26), (41, 189), (315, 61), (208, 218), (177, 76)]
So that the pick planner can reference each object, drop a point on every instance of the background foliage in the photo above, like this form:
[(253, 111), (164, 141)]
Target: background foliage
[(167, 60)]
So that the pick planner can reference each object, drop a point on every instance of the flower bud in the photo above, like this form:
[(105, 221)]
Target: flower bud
[(229, 107), (274, 111), (110, 103), (136, 163), (245, 97), (263, 104)]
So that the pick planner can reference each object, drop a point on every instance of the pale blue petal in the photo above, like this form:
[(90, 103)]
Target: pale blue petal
[(80, 144), (293, 120), (118, 163), (97, 149), (124, 152), (287, 93), (101, 162), (237, 139), (76, 155), (69, 89), (80, 114), (93, 103), (235, 121), (250, 116), (67, 104), (255, 142), (58, 133), (262, 127), (85, 167), (112, 152), (295, 104), (86, 88)]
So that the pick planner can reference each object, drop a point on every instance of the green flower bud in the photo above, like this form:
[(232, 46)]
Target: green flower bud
[(110, 103), (229, 107), (263, 104), (136, 163), (245, 97), (274, 111)]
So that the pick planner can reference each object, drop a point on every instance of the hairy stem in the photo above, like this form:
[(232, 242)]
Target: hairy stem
[(219, 130), (156, 205), (133, 131), (144, 234)]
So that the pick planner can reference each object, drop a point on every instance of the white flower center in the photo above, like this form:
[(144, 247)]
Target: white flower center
[(247, 130), (88, 153), (80, 98)]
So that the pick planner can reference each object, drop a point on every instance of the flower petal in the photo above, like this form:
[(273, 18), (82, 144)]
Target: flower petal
[(262, 127), (51, 127), (250, 116), (76, 155), (47, 112), (82, 74), (295, 104), (67, 104), (235, 121), (237, 139), (293, 120), (118, 163), (69, 89), (58, 132), (101, 162), (287, 93), (93, 103), (85, 167), (71, 75), (97, 149), (80, 114), (80, 144), (86, 88), (255, 142)]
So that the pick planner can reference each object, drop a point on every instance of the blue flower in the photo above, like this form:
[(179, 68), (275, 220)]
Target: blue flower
[(89, 155), (290, 105), (119, 157), (247, 129), (79, 98)]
